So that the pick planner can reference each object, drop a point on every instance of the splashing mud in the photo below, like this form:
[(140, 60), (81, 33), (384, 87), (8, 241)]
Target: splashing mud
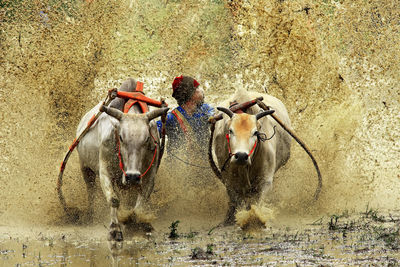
[(333, 63), (256, 217)]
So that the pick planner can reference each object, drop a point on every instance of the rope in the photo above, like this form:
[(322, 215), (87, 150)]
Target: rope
[(301, 143), (163, 133), (214, 167), (187, 163)]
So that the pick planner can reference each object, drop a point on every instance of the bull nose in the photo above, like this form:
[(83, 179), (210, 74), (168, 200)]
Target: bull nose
[(133, 178), (241, 157)]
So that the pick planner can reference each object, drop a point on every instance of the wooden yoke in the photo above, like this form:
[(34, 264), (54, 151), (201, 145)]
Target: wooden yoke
[(235, 108)]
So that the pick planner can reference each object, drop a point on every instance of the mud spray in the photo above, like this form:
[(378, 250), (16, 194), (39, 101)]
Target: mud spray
[(333, 63)]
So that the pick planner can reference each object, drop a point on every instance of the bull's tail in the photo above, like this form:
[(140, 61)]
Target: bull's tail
[(301, 143)]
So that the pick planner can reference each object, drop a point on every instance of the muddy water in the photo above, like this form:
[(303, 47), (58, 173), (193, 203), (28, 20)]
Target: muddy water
[(359, 239), (334, 65)]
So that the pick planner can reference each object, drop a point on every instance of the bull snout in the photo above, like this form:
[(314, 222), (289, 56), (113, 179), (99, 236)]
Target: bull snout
[(133, 178), (241, 158)]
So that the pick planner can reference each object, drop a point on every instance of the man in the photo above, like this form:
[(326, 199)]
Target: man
[(187, 125)]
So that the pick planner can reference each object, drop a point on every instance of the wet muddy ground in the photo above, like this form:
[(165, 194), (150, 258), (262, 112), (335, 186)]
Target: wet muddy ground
[(359, 239)]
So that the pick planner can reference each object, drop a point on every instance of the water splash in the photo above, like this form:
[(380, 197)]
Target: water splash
[(333, 63)]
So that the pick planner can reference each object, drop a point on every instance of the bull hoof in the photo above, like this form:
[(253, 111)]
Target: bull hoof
[(146, 227), (115, 235), (115, 246), (229, 220), (73, 215)]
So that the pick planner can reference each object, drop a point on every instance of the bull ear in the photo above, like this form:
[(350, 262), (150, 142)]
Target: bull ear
[(113, 112), (156, 113), (226, 111), (264, 113)]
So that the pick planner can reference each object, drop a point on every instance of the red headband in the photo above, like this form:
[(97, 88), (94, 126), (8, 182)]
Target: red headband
[(177, 81)]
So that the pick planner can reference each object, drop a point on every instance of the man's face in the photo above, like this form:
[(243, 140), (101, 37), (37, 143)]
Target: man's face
[(198, 96)]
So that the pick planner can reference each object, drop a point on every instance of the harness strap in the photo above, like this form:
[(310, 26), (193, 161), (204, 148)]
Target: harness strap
[(143, 105), (229, 146), (182, 121), (121, 164), (139, 86), (154, 156), (135, 98), (254, 147)]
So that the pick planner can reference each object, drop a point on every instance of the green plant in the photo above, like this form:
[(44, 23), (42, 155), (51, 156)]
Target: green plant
[(174, 229)]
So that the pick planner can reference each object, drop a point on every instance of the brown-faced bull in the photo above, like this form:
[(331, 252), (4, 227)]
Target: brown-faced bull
[(249, 148)]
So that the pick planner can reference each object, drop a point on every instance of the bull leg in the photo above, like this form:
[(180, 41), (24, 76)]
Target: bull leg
[(136, 221), (115, 234), (265, 186), (234, 202), (90, 177)]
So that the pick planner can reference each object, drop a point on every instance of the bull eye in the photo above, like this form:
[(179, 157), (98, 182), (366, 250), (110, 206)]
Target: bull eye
[(231, 131), (256, 133), (120, 138)]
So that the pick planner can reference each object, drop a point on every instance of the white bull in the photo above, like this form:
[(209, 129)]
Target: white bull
[(122, 149), (246, 159)]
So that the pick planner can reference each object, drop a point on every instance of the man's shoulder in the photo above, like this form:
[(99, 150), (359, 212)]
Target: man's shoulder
[(170, 119)]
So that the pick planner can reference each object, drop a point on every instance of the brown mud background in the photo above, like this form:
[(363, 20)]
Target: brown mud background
[(335, 64)]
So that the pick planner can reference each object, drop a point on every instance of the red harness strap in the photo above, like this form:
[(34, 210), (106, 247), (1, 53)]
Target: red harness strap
[(136, 97), (121, 164), (143, 105), (180, 121), (154, 156), (229, 146)]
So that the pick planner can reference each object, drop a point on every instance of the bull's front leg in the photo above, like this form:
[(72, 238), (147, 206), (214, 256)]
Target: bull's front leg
[(263, 185), (115, 234), (235, 200)]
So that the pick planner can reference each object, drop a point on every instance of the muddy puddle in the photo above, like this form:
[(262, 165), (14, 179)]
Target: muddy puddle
[(358, 239)]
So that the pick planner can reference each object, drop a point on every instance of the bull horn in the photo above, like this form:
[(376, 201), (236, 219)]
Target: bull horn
[(113, 112), (264, 113), (226, 111), (156, 113)]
